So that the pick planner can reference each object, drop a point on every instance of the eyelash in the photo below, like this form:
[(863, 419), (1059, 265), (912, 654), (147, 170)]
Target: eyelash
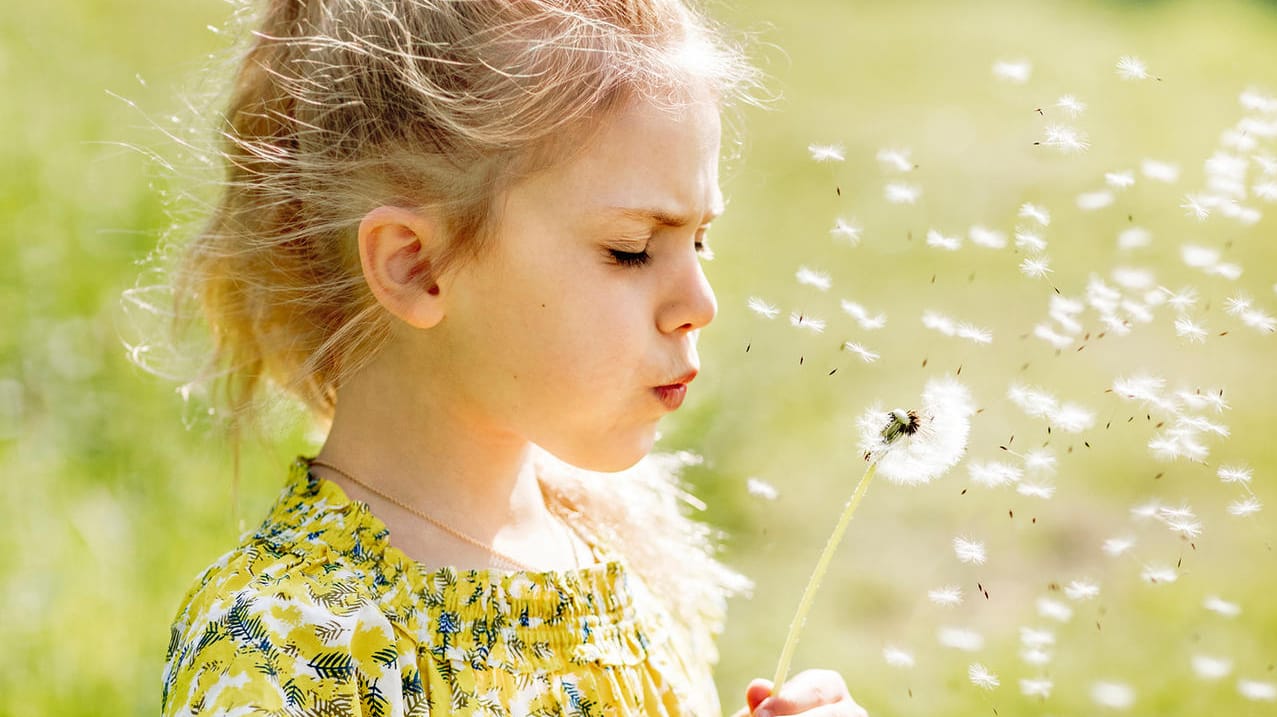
[(636, 259)]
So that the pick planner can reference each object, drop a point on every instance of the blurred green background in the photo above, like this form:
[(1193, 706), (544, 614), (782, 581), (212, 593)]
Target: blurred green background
[(118, 493)]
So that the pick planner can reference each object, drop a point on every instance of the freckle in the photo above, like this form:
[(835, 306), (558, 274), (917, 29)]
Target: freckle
[(543, 306)]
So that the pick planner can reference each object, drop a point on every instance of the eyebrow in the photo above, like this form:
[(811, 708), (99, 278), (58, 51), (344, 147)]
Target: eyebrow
[(664, 217)]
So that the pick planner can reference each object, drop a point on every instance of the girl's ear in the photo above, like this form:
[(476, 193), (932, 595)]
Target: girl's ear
[(396, 248)]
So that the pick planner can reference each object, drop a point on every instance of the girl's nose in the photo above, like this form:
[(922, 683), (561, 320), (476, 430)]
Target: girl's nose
[(691, 304)]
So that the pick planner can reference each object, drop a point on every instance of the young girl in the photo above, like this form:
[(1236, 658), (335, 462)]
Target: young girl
[(466, 234)]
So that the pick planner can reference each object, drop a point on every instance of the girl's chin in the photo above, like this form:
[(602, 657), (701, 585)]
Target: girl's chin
[(609, 455)]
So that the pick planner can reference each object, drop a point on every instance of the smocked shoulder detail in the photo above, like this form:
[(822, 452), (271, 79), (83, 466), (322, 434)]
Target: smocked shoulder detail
[(317, 611)]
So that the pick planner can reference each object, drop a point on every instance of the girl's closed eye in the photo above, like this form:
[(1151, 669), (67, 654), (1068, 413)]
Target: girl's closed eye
[(642, 257)]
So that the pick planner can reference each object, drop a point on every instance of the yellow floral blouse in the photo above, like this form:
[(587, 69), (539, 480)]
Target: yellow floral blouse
[(316, 613)]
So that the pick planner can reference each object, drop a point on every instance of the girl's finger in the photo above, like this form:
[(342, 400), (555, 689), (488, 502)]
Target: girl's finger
[(806, 691)]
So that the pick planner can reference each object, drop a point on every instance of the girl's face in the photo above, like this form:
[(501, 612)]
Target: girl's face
[(592, 295)]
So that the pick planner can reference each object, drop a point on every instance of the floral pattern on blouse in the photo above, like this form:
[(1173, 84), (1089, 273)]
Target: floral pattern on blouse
[(315, 613)]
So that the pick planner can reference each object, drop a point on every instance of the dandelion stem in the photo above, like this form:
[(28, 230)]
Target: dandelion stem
[(804, 606)]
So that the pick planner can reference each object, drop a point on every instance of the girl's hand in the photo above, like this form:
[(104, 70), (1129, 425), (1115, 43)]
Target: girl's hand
[(814, 693)]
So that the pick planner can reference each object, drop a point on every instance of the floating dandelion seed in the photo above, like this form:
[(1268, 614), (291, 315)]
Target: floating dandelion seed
[(1189, 329), (940, 241), (1156, 574), (897, 657), (1243, 507), (1072, 418), (1041, 460), (1118, 546), (1039, 214), (1033, 401), (762, 308), (1120, 180), (1133, 278), (1115, 695), (960, 639), (1036, 267), (865, 354), (1092, 201), (1131, 68), (973, 333), (1266, 191), (1081, 590), (811, 277), (1267, 163), (846, 231), (969, 551), (946, 596), (826, 152), (1211, 668), (1051, 336), (985, 237), (1026, 238), (1220, 606), (1054, 610), (1196, 207), (1014, 71), (1257, 691), (1184, 299), (1199, 257), (862, 316), (901, 193), (895, 159), (761, 489), (1036, 637), (1035, 656), (981, 677), (992, 474), (1070, 104), (1066, 139), (1134, 238), (1160, 171), (1036, 687), (1235, 474), (1036, 490), (804, 321)]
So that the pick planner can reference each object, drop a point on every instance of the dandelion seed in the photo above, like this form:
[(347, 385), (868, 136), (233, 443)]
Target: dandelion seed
[(992, 474), (1267, 163), (1137, 311), (1036, 687), (1118, 546), (1035, 637), (1070, 104), (1160, 171), (865, 354), (1133, 278), (1036, 268), (1134, 238), (960, 639), (1189, 329), (1033, 401), (1182, 300), (1072, 418), (1199, 424), (1067, 140), (1140, 387), (897, 657), (761, 489), (1036, 490), (1185, 527), (940, 241), (973, 333), (1054, 610), (1092, 201), (1243, 507), (1081, 590), (946, 596), (762, 308), (1039, 214), (895, 159), (1259, 321), (826, 152), (1156, 574), (804, 321), (1257, 691), (1255, 101), (811, 277), (1238, 304), (1051, 336), (969, 551), (939, 322), (846, 231), (913, 447), (985, 237), (1146, 510), (1035, 656), (901, 193), (1228, 270), (1041, 460), (862, 316), (1120, 180), (1113, 694), (1235, 474), (1195, 207), (1221, 606), (1211, 668), (981, 677), (1014, 71), (1266, 191), (1131, 68), (1199, 257)]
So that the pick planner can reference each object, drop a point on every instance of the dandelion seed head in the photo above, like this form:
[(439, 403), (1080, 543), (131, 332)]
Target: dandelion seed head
[(980, 676), (1211, 668), (1114, 695), (936, 443), (960, 638), (969, 551), (827, 152), (762, 308)]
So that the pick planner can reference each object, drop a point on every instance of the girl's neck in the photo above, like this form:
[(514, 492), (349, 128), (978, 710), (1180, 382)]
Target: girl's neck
[(430, 454)]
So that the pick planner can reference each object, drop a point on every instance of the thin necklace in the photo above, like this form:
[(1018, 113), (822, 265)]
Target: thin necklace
[(446, 528)]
